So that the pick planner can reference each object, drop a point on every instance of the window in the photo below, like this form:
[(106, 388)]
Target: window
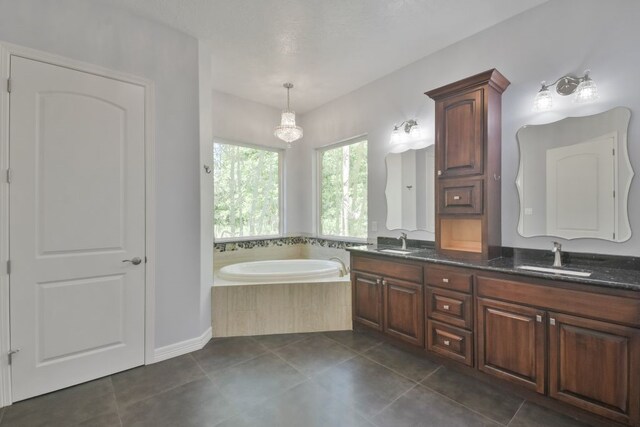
[(343, 190), (247, 194)]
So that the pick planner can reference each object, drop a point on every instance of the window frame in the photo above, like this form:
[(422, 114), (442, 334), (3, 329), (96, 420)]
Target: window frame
[(281, 164), (318, 189)]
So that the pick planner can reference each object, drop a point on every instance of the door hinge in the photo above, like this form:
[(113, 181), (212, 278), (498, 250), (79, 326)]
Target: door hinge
[(12, 353), (614, 235), (9, 85), (8, 266), (614, 151), (614, 194), (9, 174)]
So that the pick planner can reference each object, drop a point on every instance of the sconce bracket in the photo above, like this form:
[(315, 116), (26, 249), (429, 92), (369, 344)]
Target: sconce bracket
[(567, 85)]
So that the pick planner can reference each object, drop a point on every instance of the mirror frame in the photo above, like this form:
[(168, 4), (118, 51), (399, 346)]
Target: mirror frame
[(624, 176)]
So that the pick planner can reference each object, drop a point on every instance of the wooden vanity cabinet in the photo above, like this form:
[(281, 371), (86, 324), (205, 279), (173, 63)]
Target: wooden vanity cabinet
[(388, 296), (595, 365), (449, 305), (468, 165), (589, 343)]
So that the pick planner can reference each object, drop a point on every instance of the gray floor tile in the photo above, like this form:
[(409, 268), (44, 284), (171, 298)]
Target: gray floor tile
[(423, 407), (140, 383), (363, 384), (532, 415), (491, 401), (221, 353), (307, 405), (254, 381), (65, 407), (198, 403), (315, 354), (358, 341), (403, 362), (280, 340), (107, 420)]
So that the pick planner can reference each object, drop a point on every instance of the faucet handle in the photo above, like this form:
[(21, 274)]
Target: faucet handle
[(556, 246), (403, 236)]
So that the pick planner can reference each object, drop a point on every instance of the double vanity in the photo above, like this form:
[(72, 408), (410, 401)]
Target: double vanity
[(568, 333), (574, 339)]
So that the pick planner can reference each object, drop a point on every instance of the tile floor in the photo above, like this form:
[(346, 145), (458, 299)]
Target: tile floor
[(318, 380)]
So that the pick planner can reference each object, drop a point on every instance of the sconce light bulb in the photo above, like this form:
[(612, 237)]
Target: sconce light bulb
[(543, 100)]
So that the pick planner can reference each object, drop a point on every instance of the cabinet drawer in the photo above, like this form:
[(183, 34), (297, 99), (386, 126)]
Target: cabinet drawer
[(450, 342), (461, 197), (448, 278), (397, 269), (454, 308)]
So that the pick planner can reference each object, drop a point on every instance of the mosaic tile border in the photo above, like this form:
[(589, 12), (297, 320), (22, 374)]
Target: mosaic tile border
[(284, 241)]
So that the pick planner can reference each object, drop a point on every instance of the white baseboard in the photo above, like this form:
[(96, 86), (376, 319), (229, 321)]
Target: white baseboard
[(183, 347)]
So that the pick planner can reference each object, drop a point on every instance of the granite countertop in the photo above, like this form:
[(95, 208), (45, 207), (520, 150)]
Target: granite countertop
[(614, 272)]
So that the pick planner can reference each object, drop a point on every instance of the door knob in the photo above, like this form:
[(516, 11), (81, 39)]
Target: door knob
[(134, 261)]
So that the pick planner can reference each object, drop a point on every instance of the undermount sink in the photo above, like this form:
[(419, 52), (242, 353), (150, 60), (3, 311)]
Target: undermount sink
[(395, 251), (555, 270)]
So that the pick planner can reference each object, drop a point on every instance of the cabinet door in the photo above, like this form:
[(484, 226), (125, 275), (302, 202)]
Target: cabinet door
[(596, 366), (404, 311), (460, 134), (367, 300), (511, 343)]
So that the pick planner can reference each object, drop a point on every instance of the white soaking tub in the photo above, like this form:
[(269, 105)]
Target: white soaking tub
[(280, 297), (280, 271)]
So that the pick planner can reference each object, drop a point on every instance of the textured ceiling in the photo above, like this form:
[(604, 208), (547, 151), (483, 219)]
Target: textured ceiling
[(327, 48)]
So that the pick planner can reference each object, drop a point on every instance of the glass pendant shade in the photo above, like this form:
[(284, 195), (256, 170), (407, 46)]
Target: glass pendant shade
[(543, 100), (288, 131), (587, 91)]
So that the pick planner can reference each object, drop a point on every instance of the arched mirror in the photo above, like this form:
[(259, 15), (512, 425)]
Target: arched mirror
[(574, 177), (410, 190)]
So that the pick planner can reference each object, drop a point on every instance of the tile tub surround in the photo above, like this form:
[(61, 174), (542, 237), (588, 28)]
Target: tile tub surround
[(281, 308)]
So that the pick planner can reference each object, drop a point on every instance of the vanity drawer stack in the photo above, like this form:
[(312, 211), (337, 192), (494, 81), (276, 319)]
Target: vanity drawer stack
[(449, 306)]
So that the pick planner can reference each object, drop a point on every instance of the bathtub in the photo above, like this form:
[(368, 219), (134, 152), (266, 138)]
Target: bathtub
[(280, 271), (280, 296)]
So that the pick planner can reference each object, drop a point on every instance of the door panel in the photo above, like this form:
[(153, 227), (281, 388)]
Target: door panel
[(404, 311), (460, 133), (595, 365), (511, 343), (367, 300), (77, 211)]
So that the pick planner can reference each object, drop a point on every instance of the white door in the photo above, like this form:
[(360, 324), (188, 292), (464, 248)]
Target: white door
[(580, 190), (77, 210)]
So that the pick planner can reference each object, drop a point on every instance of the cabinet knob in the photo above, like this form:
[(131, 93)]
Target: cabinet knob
[(378, 281), (456, 197), (552, 321), (445, 307), (445, 280), (384, 283), (538, 318), (447, 342)]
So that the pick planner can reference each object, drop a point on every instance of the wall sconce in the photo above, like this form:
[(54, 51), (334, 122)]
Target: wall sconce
[(407, 131), (584, 88)]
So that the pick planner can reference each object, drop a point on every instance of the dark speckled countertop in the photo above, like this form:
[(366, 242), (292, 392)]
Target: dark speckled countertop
[(608, 271)]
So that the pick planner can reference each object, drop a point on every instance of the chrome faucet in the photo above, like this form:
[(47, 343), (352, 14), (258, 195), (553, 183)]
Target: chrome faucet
[(343, 268), (403, 238), (557, 251)]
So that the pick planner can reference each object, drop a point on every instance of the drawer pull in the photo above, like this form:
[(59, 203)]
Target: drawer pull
[(447, 342), (439, 173), (552, 321), (538, 318), (378, 281), (456, 197), (384, 283), (445, 280), (445, 307)]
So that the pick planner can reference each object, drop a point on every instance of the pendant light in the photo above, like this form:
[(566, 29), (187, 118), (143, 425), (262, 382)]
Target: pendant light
[(288, 131)]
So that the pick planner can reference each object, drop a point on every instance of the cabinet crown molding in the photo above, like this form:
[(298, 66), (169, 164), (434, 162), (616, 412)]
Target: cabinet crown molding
[(492, 77)]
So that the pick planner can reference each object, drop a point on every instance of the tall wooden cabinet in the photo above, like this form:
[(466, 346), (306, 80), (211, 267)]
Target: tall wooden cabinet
[(467, 149)]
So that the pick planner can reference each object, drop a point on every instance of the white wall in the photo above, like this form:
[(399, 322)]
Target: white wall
[(544, 43), (240, 120), (115, 39)]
